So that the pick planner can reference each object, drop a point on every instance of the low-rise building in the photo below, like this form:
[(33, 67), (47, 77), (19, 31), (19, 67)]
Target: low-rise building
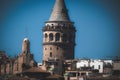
[(93, 64), (90, 64), (97, 65), (83, 63), (116, 66)]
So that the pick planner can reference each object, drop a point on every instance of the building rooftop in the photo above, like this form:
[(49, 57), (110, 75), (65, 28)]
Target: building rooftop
[(55, 76), (35, 70)]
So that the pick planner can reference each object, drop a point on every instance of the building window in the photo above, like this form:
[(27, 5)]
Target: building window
[(50, 48), (50, 36), (57, 37), (52, 26), (46, 35), (50, 54), (92, 66), (98, 66)]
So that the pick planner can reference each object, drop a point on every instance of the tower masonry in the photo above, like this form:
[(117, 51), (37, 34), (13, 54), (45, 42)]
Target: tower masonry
[(25, 59), (58, 39), (26, 46)]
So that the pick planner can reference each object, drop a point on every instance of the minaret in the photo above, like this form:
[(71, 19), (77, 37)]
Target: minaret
[(58, 38), (25, 59), (26, 46)]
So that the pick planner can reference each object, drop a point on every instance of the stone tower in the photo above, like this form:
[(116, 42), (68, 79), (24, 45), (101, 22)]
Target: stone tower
[(58, 39), (26, 46), (25, 59)]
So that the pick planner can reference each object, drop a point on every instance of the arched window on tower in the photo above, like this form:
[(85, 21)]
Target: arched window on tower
[(50, 36), (52, 27), (57, 36), (46, 35), (50, 54)]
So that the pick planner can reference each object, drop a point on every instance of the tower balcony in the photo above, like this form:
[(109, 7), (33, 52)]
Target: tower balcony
[(59, 28)]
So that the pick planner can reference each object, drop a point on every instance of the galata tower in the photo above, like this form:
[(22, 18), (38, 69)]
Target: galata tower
[(58, 39)]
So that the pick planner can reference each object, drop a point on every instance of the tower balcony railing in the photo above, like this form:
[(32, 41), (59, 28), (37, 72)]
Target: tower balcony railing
[(58, 28)]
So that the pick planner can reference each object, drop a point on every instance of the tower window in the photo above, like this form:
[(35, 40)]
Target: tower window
[(50, 48), (98, 66), (50, 54), (57, 37), (51, 36), (52, 26), (46, 35)]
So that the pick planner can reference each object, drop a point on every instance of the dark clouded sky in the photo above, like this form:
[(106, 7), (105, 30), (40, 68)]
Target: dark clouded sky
[(97, 23)]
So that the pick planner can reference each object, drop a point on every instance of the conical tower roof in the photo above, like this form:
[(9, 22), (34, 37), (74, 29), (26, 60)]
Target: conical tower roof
[(59, 12)]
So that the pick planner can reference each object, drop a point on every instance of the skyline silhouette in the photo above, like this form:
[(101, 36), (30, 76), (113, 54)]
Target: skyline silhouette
[(97, 24)]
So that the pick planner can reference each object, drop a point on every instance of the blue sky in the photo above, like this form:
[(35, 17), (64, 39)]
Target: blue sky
[(97, 23)]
